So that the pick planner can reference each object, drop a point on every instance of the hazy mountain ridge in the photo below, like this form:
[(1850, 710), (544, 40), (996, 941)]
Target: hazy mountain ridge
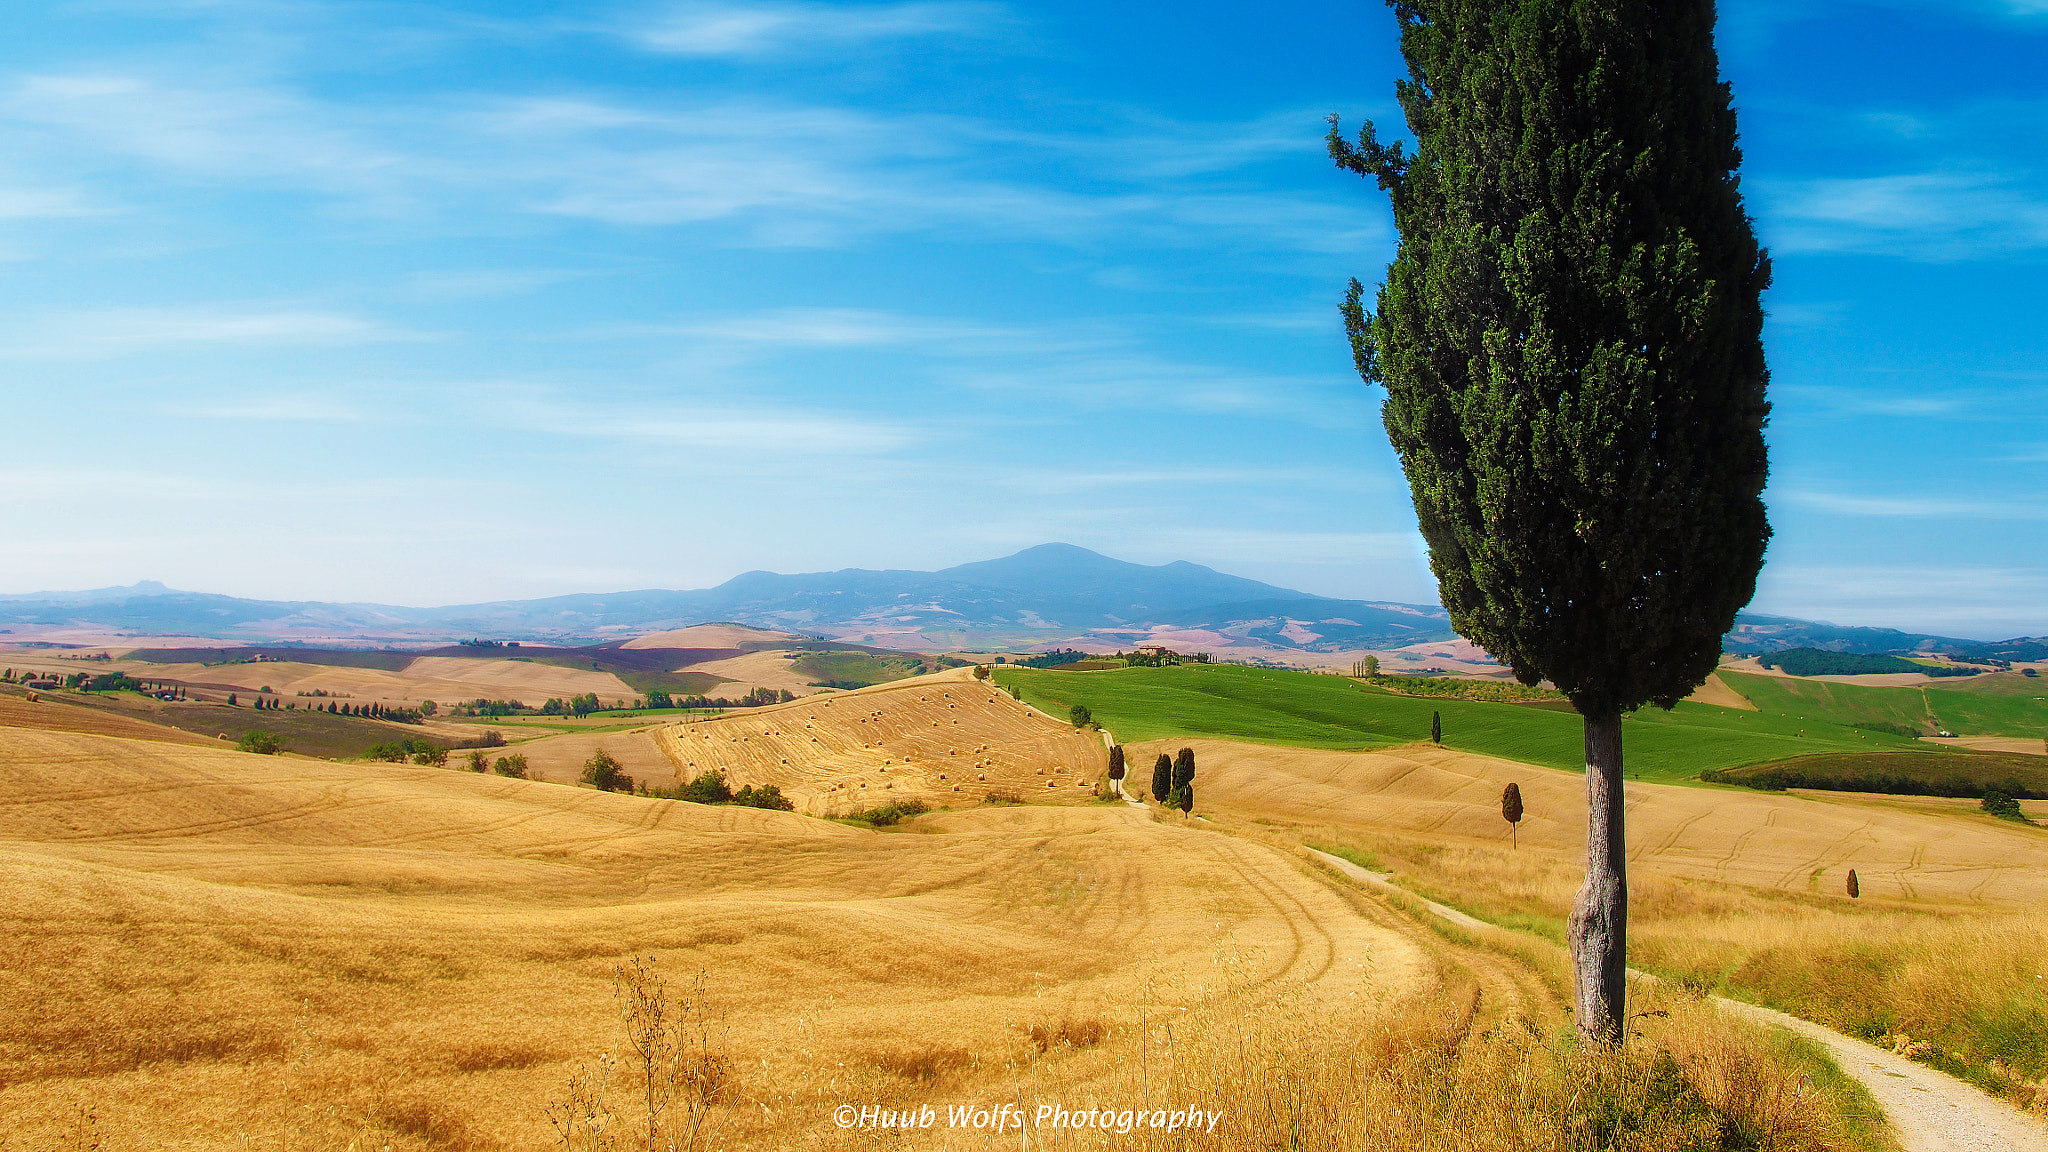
[(1039, 595)]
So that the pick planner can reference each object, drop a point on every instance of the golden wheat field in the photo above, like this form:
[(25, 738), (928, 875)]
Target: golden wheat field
[(208, 949), (205, 947), (942, 739)]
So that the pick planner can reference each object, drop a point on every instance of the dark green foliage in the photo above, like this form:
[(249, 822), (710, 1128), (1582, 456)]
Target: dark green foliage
[(889, 814), (1162, 777), (478, 762), (2002, 805), (1899, 774), (1080, 715), (766, 796), (1436, 727), (432, 755), (1053, 659), (981, 672), (1183, 769), (1511, 806), (232, 701), (604, 773), (708, 788), (1815, 662), (1888, 728), (1570, 338), (513, 766), (394, 752), (260, 742), (1116, 762), (660, 699)]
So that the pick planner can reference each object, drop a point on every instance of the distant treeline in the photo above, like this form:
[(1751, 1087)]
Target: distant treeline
[(1897, 774), (1815, 662), (588, 703), (1161, 659), (1052, 659)]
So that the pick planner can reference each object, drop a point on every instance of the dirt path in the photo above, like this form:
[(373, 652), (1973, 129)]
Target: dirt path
[(1929, 1111)]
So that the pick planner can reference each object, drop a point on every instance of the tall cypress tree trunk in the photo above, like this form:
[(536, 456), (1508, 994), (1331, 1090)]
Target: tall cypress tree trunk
[(1599, 921)]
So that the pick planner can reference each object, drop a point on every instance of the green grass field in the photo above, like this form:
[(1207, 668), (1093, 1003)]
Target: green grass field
[(1962, 709), (855, 669), (1305, 710)]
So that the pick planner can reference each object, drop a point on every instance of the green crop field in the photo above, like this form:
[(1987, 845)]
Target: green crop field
[(1305, 710), (1958, 709), (855, 669)]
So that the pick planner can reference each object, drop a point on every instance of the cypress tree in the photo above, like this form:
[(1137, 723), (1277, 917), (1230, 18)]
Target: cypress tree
[(1436, 727), (1183, 768), (1116, 762), (1511, 811), (1570, 336), (1162, 777), (1855, 889)]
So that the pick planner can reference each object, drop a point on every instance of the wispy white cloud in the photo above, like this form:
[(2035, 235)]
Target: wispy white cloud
[(730, 431), (290, 407), (120, 331), (1927, 215), (1988, 603), (1843, 504), (744, 30)]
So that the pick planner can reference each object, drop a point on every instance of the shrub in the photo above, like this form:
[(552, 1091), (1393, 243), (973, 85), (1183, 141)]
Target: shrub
[(1080, 715), (260, 742), (604, 774), (981, 672), (432, 755), (889, 814), (1002, 796), (478, 762), (709, 788), (513, 766), (1854, 888), (393, 752), (766, 796), (2002, 805)]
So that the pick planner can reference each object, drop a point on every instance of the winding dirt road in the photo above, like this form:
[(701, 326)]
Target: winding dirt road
[(1929, 1111)]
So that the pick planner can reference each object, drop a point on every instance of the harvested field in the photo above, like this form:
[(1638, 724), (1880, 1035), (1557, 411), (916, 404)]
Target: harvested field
[(944, 739), (744, 673), (560, 759), (213, 950), (1775, 841), (707, 636), (440, 678)]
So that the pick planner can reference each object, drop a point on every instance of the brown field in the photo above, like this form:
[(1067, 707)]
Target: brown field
[(1716, 691), (59, 715), (444, 679), (213, 950), (945, 739), (744, 673), (560, 758), (706, 636), (1787, 842)]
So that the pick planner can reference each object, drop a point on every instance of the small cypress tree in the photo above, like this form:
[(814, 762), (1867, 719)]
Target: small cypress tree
[(1436, 727), (1162, 777), (1855, 889), (1116, 762), (1511, 811), (1184, 769), (231, 700)]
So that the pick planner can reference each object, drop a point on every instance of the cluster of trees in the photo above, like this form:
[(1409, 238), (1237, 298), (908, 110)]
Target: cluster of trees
[(1053, 659), (1818, 662), (489, 643), (260, 742), (1870, 779), (1161, 658), (1367, 668), (374, 711), (413, 748), (513, 765), (1173, 780), (1081, 716)]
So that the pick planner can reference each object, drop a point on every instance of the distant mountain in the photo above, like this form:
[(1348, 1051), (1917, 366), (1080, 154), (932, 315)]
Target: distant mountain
[(1755, 633), (1053, 593)]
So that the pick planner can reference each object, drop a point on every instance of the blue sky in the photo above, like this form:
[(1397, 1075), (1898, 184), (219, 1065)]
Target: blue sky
[(432, 303)]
